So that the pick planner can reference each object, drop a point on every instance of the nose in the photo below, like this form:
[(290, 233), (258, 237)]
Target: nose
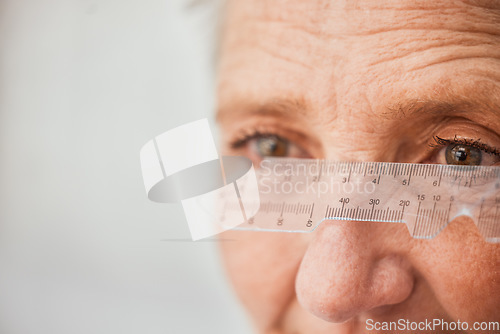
[(350, 268)]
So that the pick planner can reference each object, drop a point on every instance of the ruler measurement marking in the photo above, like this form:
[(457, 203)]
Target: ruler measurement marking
[(492, 229), (320, 169), (389, 170), (480, 211), (430, 226), (428, 220), (443, 217), (432, 216), (423, 222), (312, 210), (416, 218), (449, 210), (440, 217), (409, 175)]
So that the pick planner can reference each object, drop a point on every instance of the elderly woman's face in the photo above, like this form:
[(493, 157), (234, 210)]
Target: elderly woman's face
[(359, 81)]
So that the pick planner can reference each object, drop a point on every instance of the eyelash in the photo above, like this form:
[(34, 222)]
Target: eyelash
[(238, 143), (441, 142)]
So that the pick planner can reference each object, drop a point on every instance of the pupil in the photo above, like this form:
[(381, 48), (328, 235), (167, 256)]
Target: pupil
[(463, 155), (272, 146)]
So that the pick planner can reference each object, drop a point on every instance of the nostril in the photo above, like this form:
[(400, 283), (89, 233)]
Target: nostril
[(338, 291)]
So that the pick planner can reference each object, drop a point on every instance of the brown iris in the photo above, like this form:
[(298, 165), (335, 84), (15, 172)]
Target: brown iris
[(272, 146), (463, 155)]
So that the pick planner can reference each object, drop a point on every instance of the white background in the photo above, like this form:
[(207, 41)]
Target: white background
[(83, 85)]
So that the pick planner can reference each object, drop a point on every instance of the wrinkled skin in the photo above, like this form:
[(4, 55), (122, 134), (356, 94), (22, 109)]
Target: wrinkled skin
[(355, 81)]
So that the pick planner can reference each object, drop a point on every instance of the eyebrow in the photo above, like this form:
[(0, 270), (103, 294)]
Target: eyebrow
[(278, 108), (416, 108), (401, 110), (482, 100), (482, 97)]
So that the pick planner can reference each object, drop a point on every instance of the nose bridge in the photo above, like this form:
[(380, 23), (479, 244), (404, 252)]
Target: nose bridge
[(350, 138), (348, 270)]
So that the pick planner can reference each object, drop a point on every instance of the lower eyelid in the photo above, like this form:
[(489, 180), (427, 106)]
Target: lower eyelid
[(492, 159)]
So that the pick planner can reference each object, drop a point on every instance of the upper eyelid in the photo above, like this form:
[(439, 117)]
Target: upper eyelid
[(440, 142), (468, 142), (242, 141), (290, 136), (296, 131), (294, 148), (303, 143)]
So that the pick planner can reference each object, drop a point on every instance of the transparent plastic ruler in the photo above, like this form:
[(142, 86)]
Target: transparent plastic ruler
[(296, 195)]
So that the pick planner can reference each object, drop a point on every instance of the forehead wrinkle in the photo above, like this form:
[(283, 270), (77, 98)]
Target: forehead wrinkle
[(434, 45), (340, 19), (460, 18), (278, 108)]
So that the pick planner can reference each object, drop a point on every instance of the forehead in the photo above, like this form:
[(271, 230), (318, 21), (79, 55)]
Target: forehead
[(330, 55)]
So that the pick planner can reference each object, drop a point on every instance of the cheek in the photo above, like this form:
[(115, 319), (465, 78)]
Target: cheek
[(464, 272), (262, 267)]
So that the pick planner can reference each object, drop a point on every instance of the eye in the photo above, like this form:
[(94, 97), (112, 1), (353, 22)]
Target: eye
[(465, 152), (258, 146), (463, 155), (270, 146)]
